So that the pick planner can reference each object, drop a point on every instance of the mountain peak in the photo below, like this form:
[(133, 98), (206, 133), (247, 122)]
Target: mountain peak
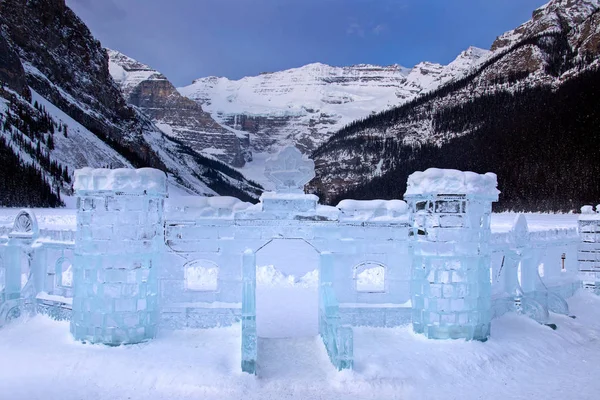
[(555, 16)]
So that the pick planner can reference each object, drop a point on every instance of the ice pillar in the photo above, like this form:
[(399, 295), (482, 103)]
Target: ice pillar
[(588, 252), (338, 339), (249, 336), (450, 284), (120, 235), (17, 256)]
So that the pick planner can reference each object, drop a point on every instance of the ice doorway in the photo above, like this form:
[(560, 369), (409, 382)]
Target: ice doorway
[(287, 276)]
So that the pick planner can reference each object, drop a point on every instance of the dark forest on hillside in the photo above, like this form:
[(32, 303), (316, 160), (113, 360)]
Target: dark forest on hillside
[(544, 146), (22, 184)]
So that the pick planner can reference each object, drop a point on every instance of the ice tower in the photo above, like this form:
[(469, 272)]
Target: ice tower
[(120, 233), (450, 218), (589, 248)]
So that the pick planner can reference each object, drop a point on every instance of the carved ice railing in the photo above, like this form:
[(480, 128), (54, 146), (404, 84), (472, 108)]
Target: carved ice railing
[(533, 272)]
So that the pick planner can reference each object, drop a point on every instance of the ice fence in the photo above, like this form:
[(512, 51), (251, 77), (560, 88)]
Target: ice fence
[(137, 262)]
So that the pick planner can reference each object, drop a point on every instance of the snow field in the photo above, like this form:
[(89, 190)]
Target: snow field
[(522, 360)]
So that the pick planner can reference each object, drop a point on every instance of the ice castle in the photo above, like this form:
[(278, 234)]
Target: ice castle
[(139, 262)]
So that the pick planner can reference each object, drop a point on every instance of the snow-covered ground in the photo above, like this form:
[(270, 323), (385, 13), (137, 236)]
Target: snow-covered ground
[(522, 360)]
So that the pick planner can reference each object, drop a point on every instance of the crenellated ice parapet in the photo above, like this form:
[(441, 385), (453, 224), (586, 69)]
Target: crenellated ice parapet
[(148, 181), (120, 235), (450, 218)]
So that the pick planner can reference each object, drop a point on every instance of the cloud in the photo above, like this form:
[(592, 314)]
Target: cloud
[(379, 29), (355, 29)]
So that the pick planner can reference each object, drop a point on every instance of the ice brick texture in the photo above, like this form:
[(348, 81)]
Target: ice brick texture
[(451, 287), (588, 252), (119, 240)]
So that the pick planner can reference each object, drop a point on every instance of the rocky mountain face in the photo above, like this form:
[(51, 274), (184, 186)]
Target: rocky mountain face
[(558, 45), (305, 106), (60, 109), (176, 115)]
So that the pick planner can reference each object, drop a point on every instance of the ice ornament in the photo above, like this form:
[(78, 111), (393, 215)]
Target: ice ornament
[(450, 219), (120, 236), (289, 170)]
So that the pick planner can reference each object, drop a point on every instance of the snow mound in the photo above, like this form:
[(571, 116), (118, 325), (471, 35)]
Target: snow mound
[(143, 180), (268, 275), (451, 181)]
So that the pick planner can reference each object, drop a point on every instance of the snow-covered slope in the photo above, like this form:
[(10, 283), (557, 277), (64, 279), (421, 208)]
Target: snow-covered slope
[(67, 112), (305, 105)]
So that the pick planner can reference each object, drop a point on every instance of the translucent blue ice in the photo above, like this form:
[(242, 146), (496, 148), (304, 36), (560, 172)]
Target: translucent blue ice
[(120, 237), (451, 287)]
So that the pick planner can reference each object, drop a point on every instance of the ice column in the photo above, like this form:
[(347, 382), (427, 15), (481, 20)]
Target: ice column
[(588, 252), (338, 340), (249, 336), (450, 218), (17, 261), (120, 235)]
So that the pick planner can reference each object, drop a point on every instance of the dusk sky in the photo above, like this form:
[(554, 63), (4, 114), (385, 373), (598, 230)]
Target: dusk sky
[(189, 39)]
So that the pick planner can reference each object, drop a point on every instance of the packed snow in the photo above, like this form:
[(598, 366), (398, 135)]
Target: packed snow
[(434, 180), (121, 180), (522, 360)]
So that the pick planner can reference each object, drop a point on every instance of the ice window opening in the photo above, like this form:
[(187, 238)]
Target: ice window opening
[(201, 276), (64, 270), (369, 277)]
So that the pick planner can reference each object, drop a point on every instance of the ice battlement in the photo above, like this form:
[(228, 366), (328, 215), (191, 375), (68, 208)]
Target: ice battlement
[(123, 180)]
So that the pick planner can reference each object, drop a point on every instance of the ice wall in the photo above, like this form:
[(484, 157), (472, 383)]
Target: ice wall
[(589, 248), (450, 218), (120, 236)]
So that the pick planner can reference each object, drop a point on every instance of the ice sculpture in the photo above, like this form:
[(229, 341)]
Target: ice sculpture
[(588, 252), (17, 261), (338, 339), (120, 234), (290, 170), (249, 336), (450, 218)]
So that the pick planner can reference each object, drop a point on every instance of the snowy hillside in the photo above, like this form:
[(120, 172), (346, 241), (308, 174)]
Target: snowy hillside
[(305, 105), (62, 110), (177, 116)]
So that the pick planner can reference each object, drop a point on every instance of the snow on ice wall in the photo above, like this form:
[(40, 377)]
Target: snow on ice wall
[(450, 218), (120, 237)]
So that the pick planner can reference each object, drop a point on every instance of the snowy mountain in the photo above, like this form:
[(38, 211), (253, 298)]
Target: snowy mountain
[(304, 106), (175, 115), (60, 109), (538, 82)]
